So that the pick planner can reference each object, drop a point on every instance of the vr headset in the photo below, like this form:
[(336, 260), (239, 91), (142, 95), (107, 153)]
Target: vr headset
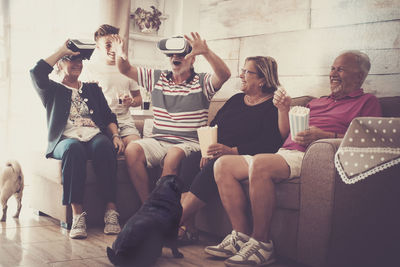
[(84, 47), (174, 45)]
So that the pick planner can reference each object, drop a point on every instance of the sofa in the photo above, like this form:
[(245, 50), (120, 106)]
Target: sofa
[(318, 220)]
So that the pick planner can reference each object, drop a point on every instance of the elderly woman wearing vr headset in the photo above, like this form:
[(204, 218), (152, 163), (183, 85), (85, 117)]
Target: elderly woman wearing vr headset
[(180, 99), (79, 121)]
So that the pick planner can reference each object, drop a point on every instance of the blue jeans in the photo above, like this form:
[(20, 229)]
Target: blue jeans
[(74, 155)]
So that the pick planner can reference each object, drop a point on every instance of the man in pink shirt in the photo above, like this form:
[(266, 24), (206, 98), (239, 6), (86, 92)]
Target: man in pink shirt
[(329, 118)]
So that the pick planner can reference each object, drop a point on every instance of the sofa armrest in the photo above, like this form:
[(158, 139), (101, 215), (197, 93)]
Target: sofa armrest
[(316, 200), (346, 224)]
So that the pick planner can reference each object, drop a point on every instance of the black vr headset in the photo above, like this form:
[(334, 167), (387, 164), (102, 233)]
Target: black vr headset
[(174, 45), (84, 47)]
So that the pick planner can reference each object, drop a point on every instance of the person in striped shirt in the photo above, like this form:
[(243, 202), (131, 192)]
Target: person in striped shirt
[(180, 99)]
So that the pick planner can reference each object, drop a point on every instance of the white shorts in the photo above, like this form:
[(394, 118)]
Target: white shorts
[(155, 150), (126, 125), (293, 158)]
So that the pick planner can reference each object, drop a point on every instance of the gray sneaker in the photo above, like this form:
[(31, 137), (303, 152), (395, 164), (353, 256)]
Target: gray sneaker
[(253, 253), (112, 226), (78, 229), (229, 246)]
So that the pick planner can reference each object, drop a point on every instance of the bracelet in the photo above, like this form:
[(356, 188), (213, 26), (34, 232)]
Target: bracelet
[(115, 135)]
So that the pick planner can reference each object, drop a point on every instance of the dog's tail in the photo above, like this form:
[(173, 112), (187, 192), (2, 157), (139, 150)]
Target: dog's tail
[(12, 166)]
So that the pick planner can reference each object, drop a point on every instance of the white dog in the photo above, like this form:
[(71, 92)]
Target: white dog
[(11, 183)]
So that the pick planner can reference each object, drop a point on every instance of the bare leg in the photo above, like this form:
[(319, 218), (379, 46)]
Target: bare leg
[(77, 209), (111, 206), (190, 204), (228, 172), (127, 139), (266, 169), (136, 164), (172, 161)]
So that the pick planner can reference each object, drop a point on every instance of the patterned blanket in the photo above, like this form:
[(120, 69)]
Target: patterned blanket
[(369, 146)]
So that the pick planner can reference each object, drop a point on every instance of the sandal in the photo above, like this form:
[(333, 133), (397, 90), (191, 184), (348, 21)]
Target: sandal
[(186, 237)]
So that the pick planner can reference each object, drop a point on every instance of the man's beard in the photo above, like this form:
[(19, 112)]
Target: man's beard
[(337, 89)]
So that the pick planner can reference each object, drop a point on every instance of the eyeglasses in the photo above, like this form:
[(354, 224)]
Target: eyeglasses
[(244, 72)]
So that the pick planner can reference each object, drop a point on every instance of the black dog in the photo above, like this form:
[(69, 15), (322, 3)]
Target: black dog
[(154, 225)]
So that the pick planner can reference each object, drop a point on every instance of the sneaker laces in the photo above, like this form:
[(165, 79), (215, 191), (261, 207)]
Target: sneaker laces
[(112, 218), (247, 250), (79, 221), (230, 239)]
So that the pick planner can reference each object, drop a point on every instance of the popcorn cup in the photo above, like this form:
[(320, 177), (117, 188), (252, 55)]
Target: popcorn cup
[(298, 119), (207, 136)]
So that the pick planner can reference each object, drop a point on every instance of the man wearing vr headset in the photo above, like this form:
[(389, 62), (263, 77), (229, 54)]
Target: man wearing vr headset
[(180, 99)]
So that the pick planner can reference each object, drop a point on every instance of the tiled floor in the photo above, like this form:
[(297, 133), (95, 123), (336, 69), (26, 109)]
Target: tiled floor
[(35, 240)]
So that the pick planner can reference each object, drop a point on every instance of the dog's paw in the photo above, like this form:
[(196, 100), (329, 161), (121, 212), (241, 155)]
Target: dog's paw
[(176, 253)]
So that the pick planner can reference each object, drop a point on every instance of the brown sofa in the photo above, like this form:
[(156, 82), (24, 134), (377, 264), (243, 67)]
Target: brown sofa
[(318, 221)]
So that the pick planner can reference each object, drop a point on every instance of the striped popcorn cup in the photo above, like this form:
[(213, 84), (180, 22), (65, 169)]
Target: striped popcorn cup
[(298, 119), (207, 136)]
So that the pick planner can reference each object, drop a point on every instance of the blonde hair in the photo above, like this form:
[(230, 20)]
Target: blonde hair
[(267, 68)]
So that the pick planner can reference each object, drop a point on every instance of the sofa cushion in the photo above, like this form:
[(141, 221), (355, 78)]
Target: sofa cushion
[(390, 106), (51, 169)]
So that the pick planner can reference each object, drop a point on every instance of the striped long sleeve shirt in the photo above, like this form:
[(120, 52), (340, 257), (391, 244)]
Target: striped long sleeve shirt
[(179, 109)]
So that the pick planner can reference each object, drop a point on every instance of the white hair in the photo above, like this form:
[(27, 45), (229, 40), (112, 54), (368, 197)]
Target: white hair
[(363, 62)]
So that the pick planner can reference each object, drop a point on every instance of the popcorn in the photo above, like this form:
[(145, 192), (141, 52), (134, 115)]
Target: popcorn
[(207, 136), (298, 119)]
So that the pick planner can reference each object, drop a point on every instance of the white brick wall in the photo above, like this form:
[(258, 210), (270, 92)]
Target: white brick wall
[(305, 36)]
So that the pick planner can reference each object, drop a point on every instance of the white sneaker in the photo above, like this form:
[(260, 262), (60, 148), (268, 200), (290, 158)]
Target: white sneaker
[(78, 229), (229, 246), (111, 222), (253, 253)]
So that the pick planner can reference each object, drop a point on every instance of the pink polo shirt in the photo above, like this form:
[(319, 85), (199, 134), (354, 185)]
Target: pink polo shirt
[(335, 115)]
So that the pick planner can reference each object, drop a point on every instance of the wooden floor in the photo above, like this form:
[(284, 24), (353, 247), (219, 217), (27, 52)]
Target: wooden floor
[(35, 240)]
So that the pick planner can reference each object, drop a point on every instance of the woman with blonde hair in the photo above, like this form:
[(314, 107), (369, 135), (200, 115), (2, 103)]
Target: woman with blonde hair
[(249, 123)]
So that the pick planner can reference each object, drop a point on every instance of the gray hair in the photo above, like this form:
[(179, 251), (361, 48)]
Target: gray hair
[(363, 61)]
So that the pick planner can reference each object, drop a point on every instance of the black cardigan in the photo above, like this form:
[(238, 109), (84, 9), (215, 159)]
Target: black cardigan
[(56, 98)]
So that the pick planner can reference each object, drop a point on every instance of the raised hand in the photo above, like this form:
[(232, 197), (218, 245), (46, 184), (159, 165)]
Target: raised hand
[(118, 46), (66, 51), (199, 46), (282, 100)]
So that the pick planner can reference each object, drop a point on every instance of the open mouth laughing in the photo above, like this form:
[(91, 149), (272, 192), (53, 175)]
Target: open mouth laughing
[(335, 81), (176, 62)]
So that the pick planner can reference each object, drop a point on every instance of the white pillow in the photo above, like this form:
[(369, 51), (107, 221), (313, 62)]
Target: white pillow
[(148, 128)]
